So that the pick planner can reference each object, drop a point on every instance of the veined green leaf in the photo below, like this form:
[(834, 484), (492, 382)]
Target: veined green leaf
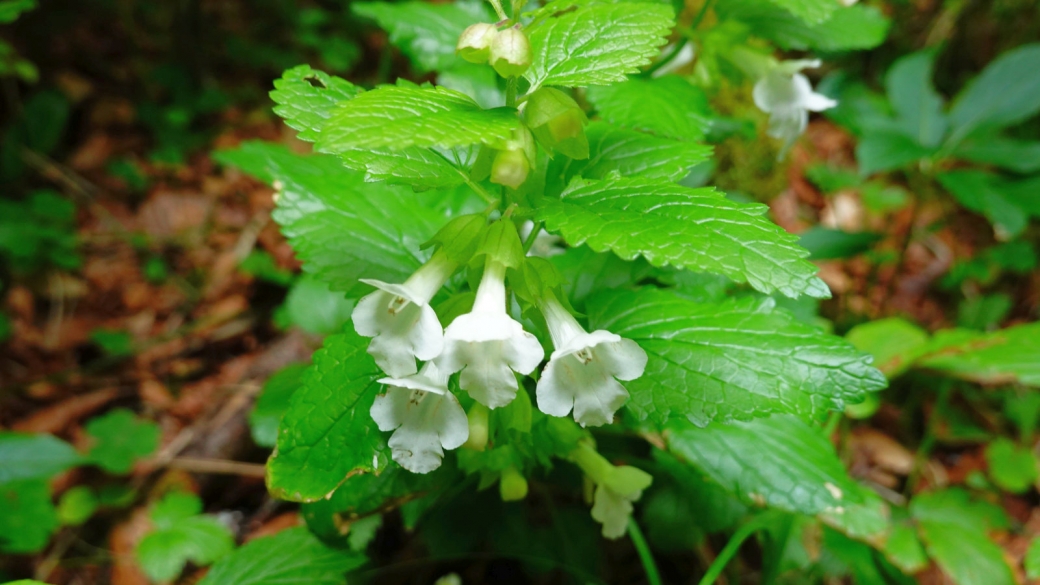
[(398, 117), (291, 556), (1007, 91), (424, 31), (918, 107), (629, 153), (421, 168), (954, 531), (1008, 356), (847, 28), (272, 403), (597, 44), (738, 359), (668, 106), (696, 229), (305, 99), (810, 11), (328, 433), (779, 462)]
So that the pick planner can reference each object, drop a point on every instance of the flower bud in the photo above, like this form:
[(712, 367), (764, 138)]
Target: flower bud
[(475, 42), (558, 122), (510, 53), (514, 162), (477, 418), (512, 486)]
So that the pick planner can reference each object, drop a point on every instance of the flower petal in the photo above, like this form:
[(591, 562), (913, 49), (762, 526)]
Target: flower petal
[(807, 98), (596, 406), (391, 409), (625, 359), (612, 511)]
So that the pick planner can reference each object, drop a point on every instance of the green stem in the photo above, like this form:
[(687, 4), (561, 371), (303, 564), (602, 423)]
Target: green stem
[(653, 577), (730, 550), (700, 15), (832, 423), (531, 237), (511, 92), (497, 5), (679, 46)]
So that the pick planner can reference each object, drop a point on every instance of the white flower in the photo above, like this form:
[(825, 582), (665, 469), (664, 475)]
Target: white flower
[(581, 372), (400, 320), (786, 95), (617, 488), (488, 345), (426, 415)]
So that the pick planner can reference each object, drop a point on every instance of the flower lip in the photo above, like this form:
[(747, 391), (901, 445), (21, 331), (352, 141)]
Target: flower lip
[(584, 342), (398, 290)]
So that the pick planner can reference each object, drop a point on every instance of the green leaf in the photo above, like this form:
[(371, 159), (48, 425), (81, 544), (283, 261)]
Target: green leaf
[(77, 505), (427, 33), (1032, 560), (696, 229), (667, 106), (273, 403), (421, 168), (120, 439), (316, 309), (181, 536), (918, 107), (895, 343), (24, 456), (328, 433), (988, 194), (828, 244), (737, 359), (597, 44), (397, 117), (629, 153), (305, 99), (904, 549), (1011, 467), (888, 150), (853, 28), (1003, 357), (291, 556), (778, 462), (10, 10), (1020, 156), (319, 202), (28, 518), (954, 531), (1006, 92), (810, 11)]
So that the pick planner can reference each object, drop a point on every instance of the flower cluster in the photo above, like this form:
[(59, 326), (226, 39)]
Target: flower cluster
[(487, 348)]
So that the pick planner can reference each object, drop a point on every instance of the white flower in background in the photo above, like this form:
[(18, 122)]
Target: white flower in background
[(400, 321), (617, 488), (786, 95), (545, 244), (847, 3), (582, 370), (488, 345), (425, 416)]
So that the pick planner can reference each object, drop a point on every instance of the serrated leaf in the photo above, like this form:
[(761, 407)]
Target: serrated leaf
[(1008, 356), (811, 11), (24, 456), (695, 229), (273, 402), (398, 117), (328, 433), (420, 168), (120, 439), (738, 359), (918, 107), (848, 28), (426, 32), (954, 531), (181, 535), (1006, 92), (305, 99), (778, 462), (667, 106), (28, 518), (319, 202), (629, 153), (291, 556), (597, 44)]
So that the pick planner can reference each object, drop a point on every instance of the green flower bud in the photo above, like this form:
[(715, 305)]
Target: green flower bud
[(478, 427), (513, 163), (512, 486), (558, 122), (510, 53), (475, 42)]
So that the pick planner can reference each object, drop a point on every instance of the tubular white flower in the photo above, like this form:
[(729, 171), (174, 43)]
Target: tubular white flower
[(400, 321), (487, 345), (787, 96), (425, 416), (617, 488), (582, 370)]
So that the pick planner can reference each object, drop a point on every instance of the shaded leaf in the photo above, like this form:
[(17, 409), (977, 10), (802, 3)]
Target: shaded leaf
[(291, 556)]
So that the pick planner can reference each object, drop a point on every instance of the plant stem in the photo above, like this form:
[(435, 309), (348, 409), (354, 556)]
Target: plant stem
[(511, 92), (730, 550), (643, 549), (531, 237), (497, 5), (700, 15)]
